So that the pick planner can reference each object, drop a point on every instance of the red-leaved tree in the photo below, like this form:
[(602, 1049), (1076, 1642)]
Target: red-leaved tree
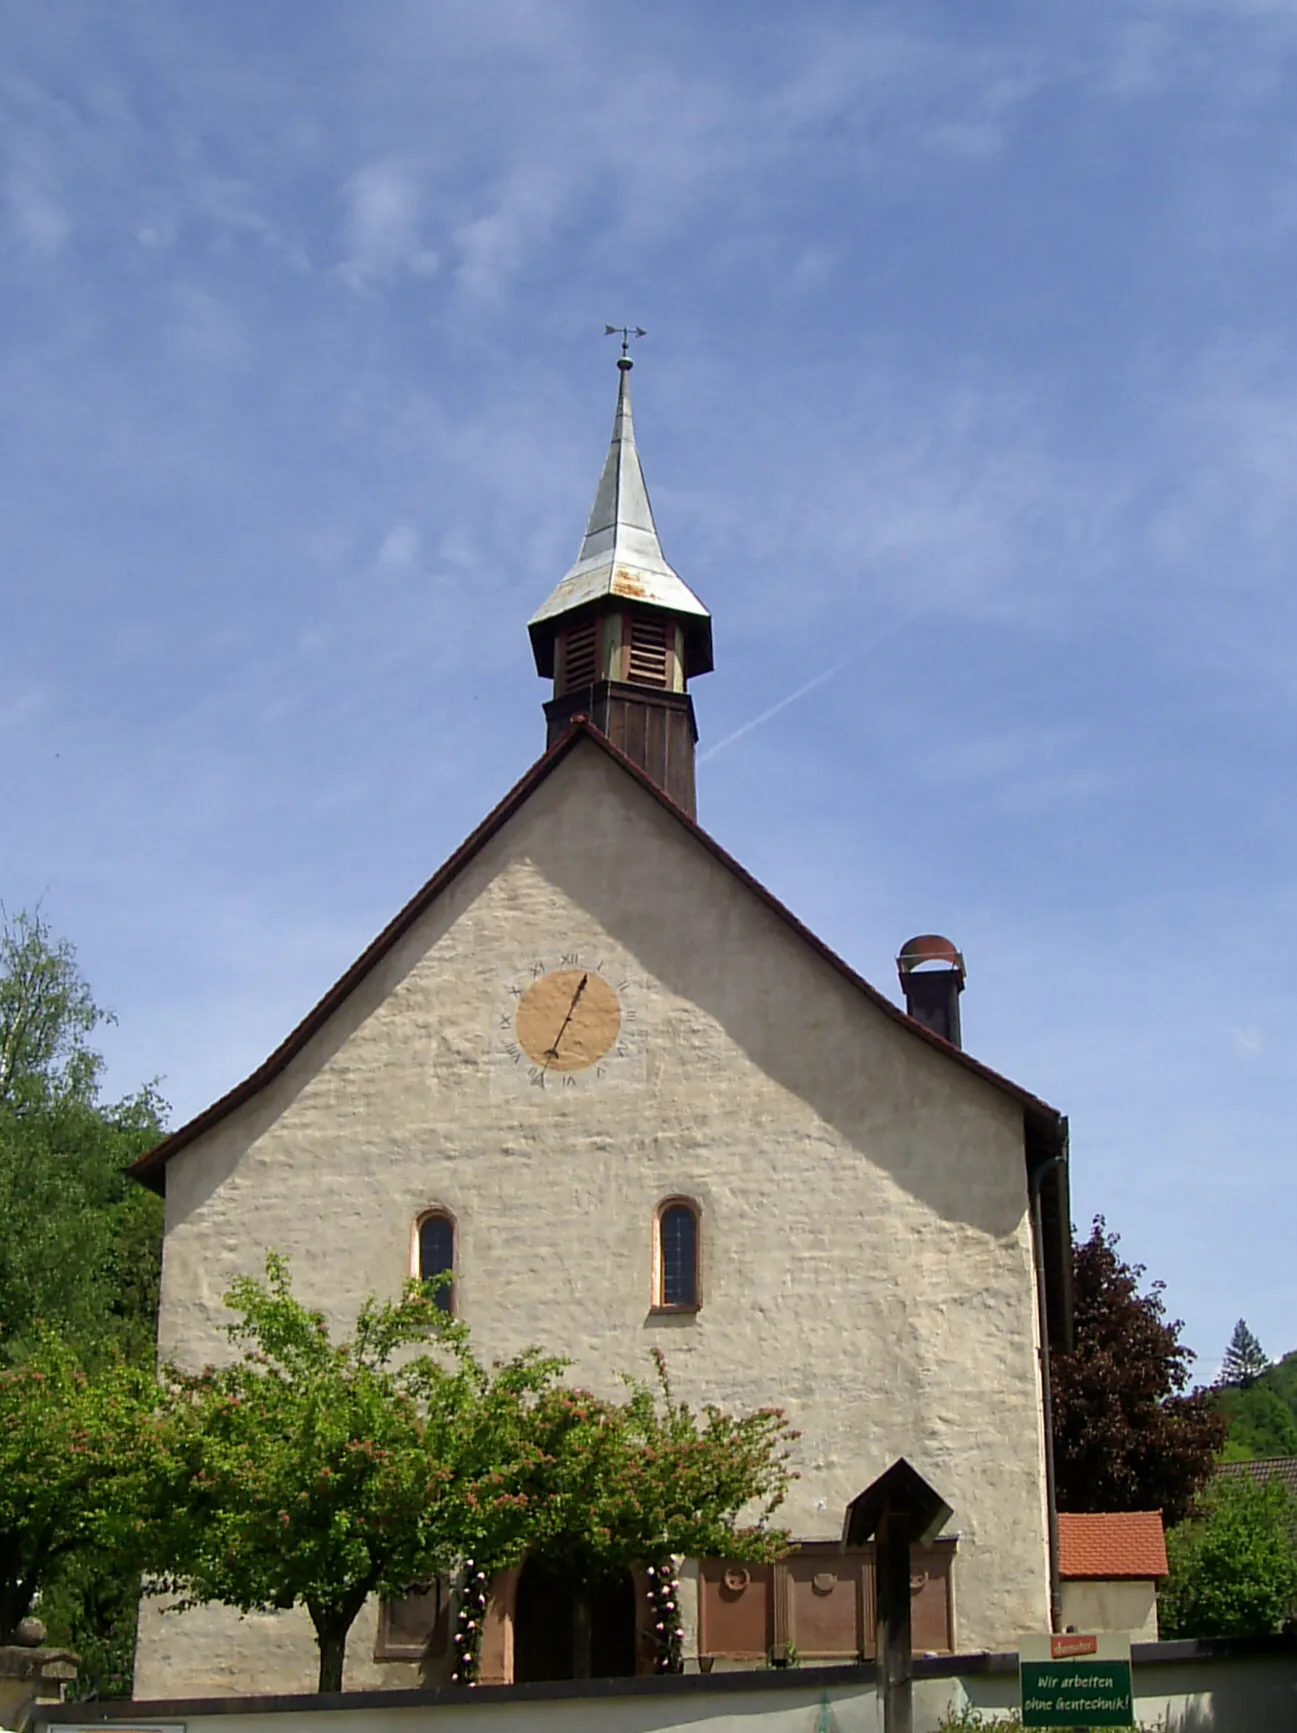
[(1126, 1437)]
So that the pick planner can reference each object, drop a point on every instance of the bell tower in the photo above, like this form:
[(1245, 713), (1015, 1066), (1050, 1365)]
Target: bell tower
[(622, 635)]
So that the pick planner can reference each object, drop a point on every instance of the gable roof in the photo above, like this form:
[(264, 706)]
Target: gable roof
[(1105, 1545), (1045, 1127)]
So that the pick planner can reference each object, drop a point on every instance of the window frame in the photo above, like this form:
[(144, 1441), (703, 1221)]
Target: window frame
[(389, 1646), (677, 1200), (437, 1212)]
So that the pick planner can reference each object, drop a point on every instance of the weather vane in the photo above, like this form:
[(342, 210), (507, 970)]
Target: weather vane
[(625, 332)]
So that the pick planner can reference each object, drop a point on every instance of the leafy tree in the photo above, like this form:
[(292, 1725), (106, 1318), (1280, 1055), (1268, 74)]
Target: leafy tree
[(1245, 1359), (75, 1459), (79, 1240), (46, 1015), (621, 1483), (1126, 1437), (1233, 1563), (315, 1474), (1260, 1423), (91, 1606), (616, 1485), (1262, 1417), (80, 1243), (80, 1251)]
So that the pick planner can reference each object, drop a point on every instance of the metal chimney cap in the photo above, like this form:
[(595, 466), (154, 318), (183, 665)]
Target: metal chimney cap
[(929, 948)]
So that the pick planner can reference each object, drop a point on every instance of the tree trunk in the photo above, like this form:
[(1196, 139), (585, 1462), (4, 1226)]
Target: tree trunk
[(582, 1632), (332, 1625), (333, 1652)]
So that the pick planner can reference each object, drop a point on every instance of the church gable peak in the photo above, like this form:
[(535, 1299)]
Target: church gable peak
[(1045, 1126)]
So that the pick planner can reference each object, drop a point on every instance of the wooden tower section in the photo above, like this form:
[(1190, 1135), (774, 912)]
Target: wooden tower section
[(622, 635)]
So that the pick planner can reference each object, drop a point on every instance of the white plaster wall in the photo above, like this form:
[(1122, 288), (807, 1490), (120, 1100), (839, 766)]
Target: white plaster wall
[(216, 1652), (866, 1251), (1111, 1606)]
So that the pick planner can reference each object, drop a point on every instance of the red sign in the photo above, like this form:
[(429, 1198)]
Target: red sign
[(1063, 1648)]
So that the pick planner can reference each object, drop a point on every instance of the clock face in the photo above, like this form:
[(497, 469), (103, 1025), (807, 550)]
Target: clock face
[(569, 1023), (568, 1019)]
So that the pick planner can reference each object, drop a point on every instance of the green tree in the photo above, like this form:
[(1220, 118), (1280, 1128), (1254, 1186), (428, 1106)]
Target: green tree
[(316, 1473), (46, 1015), (312, 1473), (76, 1456), (1260, 1423), (80, 1243), (1126, 1437), (1245, 1359), (1262, 1417), (617, 1485), (1233, 1563)]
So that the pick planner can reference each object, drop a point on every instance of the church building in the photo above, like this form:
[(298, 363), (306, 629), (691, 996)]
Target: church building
[(599, 1073)]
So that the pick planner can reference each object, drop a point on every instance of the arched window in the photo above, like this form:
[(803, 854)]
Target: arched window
[(434, 1254), (677, 1256)]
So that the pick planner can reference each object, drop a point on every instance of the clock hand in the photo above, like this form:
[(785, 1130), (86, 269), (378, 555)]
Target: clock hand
[(552, 1052)]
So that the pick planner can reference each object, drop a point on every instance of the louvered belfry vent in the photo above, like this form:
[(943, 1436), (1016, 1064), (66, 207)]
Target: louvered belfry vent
[(580, 655), (647, 665)]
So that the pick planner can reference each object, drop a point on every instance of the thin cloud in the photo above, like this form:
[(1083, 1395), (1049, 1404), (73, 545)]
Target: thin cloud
[(382, 227), (37, 214)]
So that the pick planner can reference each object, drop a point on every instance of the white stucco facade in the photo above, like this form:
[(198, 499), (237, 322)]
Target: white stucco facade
[(866, 1245)]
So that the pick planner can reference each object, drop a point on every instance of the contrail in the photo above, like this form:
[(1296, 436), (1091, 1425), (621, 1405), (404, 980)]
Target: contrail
[(817, 680)]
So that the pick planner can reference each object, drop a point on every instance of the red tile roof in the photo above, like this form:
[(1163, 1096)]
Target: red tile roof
[(1126, 1543)]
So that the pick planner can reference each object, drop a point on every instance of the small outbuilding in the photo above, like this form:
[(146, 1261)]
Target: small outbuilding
[(1110, 1564)]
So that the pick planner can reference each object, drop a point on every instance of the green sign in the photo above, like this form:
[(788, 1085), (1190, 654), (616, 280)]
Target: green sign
[(1076, 1693)]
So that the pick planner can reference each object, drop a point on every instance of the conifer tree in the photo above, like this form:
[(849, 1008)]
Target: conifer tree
[(1245, 1359)]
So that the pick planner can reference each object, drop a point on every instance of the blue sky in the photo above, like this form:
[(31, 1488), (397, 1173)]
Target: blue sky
[(969, 402)]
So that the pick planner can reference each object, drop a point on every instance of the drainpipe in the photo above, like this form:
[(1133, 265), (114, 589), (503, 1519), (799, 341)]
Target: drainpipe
[(1038, 1236)]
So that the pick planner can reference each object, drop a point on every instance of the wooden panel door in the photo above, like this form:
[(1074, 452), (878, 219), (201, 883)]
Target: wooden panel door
[(736, 1610), (826, 1604)]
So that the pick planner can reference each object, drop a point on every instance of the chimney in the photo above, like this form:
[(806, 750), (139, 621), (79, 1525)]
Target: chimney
[(932, 978)]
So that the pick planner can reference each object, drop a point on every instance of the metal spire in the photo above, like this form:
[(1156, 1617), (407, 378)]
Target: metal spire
[(621, 555)]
